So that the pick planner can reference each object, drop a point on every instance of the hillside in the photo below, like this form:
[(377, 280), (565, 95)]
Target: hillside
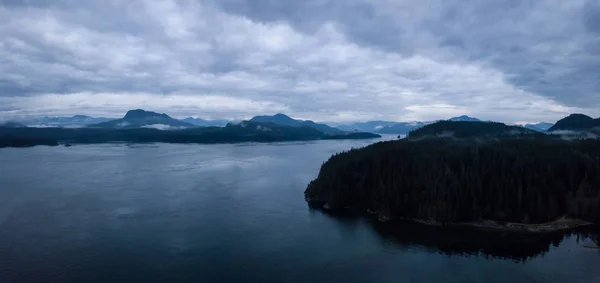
[(370, 126), (11, 124), (73, 121), (401, 128), (234, 132), (16, 141), (575, 122), (465, 129), (143, 119), (205, 123), (440, 180), (284, 120)]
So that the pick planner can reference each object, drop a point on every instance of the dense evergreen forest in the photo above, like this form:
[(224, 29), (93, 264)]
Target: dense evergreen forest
[(232, 133), (12, 141), (462, 129), (459, 180)]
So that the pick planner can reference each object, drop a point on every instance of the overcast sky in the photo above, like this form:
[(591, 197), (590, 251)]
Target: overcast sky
[(326, 60)]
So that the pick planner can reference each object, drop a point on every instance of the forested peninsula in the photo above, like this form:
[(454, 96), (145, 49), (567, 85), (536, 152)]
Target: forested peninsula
[(496, 177)]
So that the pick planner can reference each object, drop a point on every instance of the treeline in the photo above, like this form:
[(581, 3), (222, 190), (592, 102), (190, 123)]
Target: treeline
[(449, 180), (12, 141), (461, 129), (241, 132)]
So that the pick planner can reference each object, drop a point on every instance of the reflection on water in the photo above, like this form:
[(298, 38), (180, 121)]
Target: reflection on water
[(235, 213), (465, 241)]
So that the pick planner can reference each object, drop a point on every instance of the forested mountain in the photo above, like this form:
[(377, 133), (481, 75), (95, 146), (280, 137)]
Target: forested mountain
[(575, 122), (464, 129), (73, 121), (284, 120), (15, 141), (401, 128), (205, 123), (139, 118), (11, 124), (458, 180), (234, 132)]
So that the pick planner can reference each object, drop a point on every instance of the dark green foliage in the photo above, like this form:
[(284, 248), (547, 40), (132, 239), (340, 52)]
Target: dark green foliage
[(12, 141), (466, 129), (576, 122), (450, 180), (232, 133)]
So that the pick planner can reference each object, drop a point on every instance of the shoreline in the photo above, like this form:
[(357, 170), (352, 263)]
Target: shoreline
[(563, 223)]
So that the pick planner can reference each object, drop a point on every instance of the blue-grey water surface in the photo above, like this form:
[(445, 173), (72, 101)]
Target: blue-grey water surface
[(226, 213)]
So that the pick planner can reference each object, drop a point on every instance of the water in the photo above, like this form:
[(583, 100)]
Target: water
[(233, 213)]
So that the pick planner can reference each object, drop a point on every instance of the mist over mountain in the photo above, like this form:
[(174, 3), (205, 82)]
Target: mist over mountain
[(284, 120), (205, 123), (139, 118), (72, 121)]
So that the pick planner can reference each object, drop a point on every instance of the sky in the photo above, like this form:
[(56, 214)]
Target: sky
[(325, 60)]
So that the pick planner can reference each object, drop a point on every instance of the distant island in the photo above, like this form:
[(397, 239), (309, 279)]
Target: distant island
[(479, 174), (140, 126)]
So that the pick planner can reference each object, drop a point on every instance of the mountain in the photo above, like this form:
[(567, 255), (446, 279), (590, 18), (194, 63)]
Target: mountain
[(205, 123), (540, 127), (284, 120), (139, 118), (74, 121), (397, 128), (10, 124), (576, 122), (465, 129), (401, 128), (370, 126), (464, 118), (244, 131)]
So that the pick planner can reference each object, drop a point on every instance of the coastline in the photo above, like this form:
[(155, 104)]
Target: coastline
[(563, 223)]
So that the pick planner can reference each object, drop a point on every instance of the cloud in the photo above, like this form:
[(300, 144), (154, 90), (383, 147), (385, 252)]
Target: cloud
[(320, 60)]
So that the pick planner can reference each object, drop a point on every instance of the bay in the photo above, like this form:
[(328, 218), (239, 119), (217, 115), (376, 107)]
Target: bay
[(235, 213)]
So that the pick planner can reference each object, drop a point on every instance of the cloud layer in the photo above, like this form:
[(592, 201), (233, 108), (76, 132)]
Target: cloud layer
[(316, 59)]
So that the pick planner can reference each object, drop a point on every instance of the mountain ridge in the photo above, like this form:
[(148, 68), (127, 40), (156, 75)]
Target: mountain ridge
[(285, 120), (139, 118)]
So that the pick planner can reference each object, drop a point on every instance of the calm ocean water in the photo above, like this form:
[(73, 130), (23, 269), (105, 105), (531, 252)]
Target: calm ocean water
[(234, 213)]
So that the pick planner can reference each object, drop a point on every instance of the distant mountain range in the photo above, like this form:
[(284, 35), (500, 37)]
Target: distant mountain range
[(284, 120), (11, 124), (147, 119), (540, 127), (371, 126), (140, 126), (397, 128), (139, 118), (74, 121)]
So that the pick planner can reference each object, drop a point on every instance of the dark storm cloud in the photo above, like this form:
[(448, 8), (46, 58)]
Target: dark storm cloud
[(318, 59)]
